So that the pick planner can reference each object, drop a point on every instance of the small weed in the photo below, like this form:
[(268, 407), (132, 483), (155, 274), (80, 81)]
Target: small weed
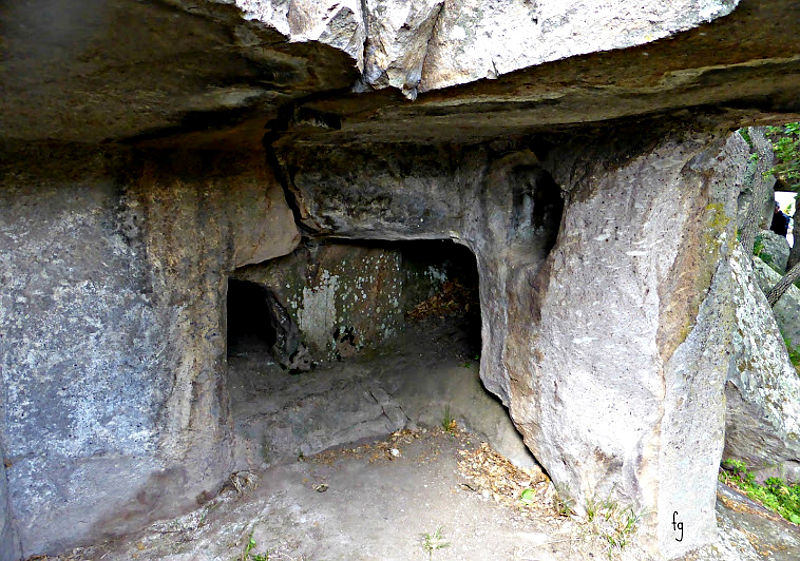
[(613, 523), (448, 421), (433, 542), (247, 554), (775, 494), (794, 352), (591, 509), (563, 506), (758, 246)]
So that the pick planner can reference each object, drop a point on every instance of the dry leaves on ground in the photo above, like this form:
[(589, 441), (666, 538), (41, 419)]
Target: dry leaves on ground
[(492, 475)]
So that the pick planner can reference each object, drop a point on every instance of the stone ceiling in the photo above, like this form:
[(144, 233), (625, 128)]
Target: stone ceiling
[(174, 73)]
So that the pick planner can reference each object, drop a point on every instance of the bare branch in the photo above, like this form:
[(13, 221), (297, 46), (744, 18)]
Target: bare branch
[(783, 285)]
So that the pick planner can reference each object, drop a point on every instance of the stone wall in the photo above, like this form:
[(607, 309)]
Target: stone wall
[(113, 336), (344, 297)]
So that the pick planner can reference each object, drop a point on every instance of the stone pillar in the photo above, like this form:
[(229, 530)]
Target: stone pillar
[(617, 350)]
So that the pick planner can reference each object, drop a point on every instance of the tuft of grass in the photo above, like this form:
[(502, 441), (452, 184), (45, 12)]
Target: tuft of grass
[(433, 542), (776, 495), (612, 523), (448, 421)]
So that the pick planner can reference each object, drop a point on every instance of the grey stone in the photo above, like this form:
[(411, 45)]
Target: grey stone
[(475, 39), (338, 23), (113, 414), (762, 418), (397, 44), (558, 320), (787, 309), (774, 249), (234, 70), (114, 263), (756, 185), (9, 543)]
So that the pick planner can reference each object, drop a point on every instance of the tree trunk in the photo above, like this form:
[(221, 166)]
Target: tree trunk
[(782, 286), (794, 255), (761, 189)]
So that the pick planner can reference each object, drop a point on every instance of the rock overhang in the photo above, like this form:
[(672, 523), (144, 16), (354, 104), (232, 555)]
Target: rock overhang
[(203, 76)]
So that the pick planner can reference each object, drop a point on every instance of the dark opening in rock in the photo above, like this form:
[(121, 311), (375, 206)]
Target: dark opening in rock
[(394, 332), (249, 317)]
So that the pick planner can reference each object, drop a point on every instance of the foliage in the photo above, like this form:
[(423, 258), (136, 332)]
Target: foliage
[(614, 523), (746, 135), (758, 250), (247, 554), (785, 142), (434, 541), (775, 494), (794, 352)]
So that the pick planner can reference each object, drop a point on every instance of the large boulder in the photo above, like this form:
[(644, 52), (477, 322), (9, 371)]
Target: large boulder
[(762, 418), (773, 249), (787, 309), (474, 39)]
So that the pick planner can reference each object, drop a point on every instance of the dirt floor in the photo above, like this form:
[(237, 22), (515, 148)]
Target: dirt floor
[(428, 494), (430, 490)]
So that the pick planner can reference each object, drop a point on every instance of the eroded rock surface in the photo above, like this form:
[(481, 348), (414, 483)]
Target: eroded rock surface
[(113, 332), (762, 388), (547, 302), (591, 211)]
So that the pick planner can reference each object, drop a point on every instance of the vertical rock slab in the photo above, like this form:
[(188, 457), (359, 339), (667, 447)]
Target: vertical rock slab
[(763, 388), (81, 375), (617, 353), (112, 320)]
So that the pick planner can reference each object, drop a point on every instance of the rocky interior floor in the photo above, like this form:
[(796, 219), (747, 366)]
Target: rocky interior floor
[(385, 498), (369, 503)]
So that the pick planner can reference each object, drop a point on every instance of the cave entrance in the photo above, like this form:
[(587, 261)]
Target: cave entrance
[(250, 324), (343, 342)]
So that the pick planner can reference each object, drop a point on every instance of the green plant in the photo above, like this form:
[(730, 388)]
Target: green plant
[(775, 494), (448, 421), (623, 528), (433, 542), (794, 351), (613, 523), (746, 135), (248, 556), (785, 142)]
